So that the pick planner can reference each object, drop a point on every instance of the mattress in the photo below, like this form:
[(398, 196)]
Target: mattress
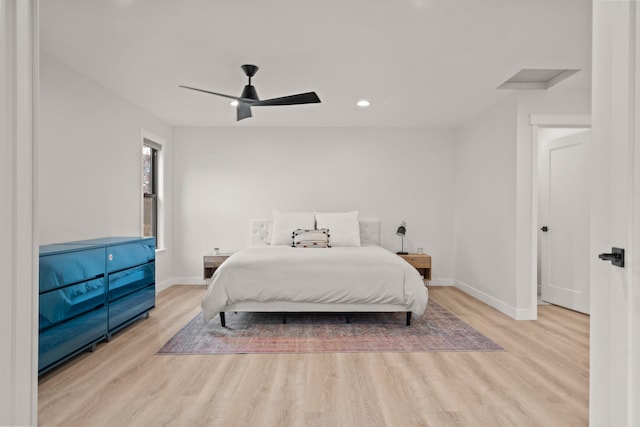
[(364, 277)]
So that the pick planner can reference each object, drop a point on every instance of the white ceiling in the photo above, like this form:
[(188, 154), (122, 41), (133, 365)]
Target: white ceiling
[(421, 63)]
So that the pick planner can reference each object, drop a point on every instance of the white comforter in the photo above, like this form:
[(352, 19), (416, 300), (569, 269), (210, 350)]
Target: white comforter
[(341, 275)]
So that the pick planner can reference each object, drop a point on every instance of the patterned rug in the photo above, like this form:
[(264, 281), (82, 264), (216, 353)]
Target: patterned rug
[(437, 330)]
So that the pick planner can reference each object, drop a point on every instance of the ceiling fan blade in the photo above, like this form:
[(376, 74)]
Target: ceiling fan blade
[(243, 110), (301, 98), (237, 98)]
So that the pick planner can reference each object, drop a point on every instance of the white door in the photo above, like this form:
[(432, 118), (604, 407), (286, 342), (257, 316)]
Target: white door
[(564, 219), (615, 215)]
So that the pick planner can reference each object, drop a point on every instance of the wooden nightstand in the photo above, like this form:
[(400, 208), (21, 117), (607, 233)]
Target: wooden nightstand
[(421, 262), (212, 262)]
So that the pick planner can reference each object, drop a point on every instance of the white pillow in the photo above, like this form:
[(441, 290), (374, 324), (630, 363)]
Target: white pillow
[(285, 223), (344, 228)]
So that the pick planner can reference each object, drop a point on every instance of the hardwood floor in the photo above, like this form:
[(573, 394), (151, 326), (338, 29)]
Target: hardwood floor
[(540, 380)]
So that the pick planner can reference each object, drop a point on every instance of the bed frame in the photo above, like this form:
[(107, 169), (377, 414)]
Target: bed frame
[(260, 235)]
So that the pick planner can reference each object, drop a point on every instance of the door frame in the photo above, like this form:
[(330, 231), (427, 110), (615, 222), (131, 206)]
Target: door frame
[(19, 96), (537, 122)]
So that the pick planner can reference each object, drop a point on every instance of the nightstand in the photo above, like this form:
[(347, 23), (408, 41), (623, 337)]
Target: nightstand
[(421, 262), (212, 262)]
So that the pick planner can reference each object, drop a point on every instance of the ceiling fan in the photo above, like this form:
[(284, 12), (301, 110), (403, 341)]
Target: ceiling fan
[(249, 97)]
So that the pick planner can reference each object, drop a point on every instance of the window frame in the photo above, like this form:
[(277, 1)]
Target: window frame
[(152, 142)]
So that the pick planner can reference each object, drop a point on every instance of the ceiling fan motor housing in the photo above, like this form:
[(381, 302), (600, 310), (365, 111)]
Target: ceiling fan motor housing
[(249, 92)]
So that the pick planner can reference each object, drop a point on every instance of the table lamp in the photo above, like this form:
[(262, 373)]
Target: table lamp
[(401, 231)]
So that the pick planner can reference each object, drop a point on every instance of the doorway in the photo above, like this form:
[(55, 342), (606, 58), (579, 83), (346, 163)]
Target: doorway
[(563, 218), (546, 127)]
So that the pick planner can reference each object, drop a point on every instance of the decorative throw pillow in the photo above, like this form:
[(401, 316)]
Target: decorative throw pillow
[(311, 238), (285, 222), (344, 226)]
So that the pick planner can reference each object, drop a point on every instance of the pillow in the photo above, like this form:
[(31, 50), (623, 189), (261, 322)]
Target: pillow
[(284, 223), (311, 238), (344, 226)]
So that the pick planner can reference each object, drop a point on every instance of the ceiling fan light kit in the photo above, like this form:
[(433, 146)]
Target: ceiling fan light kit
[(249, 97)]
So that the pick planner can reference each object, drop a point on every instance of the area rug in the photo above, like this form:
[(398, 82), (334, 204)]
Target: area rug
[(438, 330)]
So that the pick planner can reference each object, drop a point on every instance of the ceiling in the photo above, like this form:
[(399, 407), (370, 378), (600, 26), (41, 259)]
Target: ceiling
[(421, 63)]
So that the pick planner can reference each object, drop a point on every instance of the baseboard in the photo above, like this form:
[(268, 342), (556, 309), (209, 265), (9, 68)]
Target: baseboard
[(501, 306), (442, 281), (526, 314), (171, 281)]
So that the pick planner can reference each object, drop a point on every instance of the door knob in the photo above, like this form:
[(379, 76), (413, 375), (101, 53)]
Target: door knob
[(545, 228), (616, 257)]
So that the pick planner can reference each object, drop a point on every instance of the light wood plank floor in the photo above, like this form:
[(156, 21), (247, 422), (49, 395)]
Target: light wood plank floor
[(540, 380)]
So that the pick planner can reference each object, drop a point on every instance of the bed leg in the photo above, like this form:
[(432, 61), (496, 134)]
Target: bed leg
[(284, 319), (222, 320), (408, 318)]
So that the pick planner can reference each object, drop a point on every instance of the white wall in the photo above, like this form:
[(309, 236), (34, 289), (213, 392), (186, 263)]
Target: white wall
[(225, 176), (485, 205), (90, 161), (554, 101), (494, 228), (478, 177)]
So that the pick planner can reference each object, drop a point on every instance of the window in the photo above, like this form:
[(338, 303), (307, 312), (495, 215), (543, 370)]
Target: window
[(150, 189)]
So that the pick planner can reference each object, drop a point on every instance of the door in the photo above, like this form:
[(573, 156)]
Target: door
[(615, 215), (564, 218)]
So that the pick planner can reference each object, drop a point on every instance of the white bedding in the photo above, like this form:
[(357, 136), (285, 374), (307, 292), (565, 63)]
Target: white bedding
[(366, 275)]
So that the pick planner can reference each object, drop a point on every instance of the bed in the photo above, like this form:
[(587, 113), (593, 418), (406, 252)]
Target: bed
[(281, 278)]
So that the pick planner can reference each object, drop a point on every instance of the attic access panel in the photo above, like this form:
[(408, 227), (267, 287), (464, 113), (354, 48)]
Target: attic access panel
[(537, 78)]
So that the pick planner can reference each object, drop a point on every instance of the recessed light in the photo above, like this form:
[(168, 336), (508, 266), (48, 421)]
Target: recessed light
[(234, 103), (363, 103)]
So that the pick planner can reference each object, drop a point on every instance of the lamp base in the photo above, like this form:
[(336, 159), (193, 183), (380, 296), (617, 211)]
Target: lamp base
[(402, 253)]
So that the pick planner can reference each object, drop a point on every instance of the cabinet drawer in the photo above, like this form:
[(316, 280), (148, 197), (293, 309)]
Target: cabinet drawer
[(127, 281), (125, 309), (128, 255), (67, 268), (62, 304), (65, 339)]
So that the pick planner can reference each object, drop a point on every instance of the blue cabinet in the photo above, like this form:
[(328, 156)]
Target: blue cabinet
[(73, 307), (90, 289), (131, 278)]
